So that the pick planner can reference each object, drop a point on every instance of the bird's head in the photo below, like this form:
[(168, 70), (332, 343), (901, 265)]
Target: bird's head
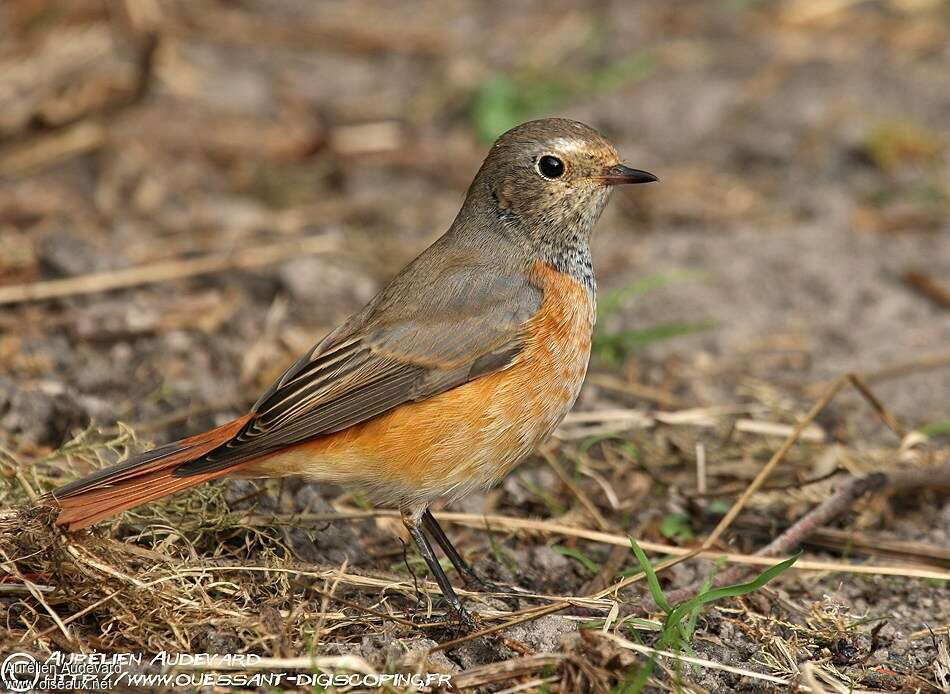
[(550, 179)]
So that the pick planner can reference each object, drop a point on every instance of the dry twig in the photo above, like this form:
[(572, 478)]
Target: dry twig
[(166, 270)]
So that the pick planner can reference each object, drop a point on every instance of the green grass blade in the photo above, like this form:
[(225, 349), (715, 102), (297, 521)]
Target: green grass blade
[(684, 608), (655, 590), (611, 302), (588, 563), (935, 429)]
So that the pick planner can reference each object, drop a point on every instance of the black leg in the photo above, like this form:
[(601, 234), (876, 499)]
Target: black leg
[(412, 524), (468, 574)]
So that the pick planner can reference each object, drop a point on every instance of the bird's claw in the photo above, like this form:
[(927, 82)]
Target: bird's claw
[(460, 621)]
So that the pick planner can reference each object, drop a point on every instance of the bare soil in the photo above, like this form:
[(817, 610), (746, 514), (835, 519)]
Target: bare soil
[(799, 232)]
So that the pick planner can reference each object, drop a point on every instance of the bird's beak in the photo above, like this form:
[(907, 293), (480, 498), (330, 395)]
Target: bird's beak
[(616, 175)]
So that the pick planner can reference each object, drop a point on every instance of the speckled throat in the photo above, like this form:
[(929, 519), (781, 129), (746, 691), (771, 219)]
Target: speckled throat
[(574, 260), (567, 249)]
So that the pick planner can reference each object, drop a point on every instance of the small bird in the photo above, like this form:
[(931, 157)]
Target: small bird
[(442, 383)]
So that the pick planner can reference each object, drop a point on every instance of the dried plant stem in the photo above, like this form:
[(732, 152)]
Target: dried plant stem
[(825, 512), (506, 670), (703, 662), (535, 613), (858, 382), (10, 567), (71, 618), (165, 270), (924, 363), (760, 478), (925, 476), (576, 491)]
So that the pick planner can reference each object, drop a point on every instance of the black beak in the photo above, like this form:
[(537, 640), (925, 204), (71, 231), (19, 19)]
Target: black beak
[(616, 175)]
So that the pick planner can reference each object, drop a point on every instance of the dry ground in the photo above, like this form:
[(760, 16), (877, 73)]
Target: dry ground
[(799, 233)]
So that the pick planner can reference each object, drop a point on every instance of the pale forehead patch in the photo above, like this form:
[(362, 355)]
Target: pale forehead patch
[(569, 145)]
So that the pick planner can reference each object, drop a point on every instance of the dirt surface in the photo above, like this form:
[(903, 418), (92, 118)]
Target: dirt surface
[(799, 232)]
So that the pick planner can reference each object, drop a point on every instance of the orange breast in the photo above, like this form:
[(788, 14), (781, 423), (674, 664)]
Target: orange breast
[(469, 436)]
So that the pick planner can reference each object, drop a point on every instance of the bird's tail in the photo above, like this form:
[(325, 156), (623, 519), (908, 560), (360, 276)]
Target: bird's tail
[(138, 480)]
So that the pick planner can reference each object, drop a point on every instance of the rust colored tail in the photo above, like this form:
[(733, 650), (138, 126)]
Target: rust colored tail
[(138, 480)]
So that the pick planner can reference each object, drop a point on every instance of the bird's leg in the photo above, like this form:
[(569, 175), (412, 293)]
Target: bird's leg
[(465, 570), (413, 523)]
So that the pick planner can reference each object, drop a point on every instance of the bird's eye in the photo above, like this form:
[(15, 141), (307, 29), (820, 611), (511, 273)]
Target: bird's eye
[(550, 167)]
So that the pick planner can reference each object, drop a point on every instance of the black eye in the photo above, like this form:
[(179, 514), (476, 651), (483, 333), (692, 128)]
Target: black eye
[(550, 167)]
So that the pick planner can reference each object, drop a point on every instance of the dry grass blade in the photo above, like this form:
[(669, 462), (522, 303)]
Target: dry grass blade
[(753, 426), (702, 662), (858, 382), (764, 473), (499, 522), (538, 612), (928, 362), (73, 617), (637, 390), (534, 685), (10, 567), (506, 670), (24, 157), (166, 270), (576, 491), (934, 290), (854, 541), (496, 522), (350, 663)]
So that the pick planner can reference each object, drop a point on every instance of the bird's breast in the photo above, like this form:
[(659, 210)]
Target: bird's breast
[(472, 435)]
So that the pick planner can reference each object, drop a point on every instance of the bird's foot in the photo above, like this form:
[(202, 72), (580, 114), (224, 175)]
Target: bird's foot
[(506, 594), (460, 621)]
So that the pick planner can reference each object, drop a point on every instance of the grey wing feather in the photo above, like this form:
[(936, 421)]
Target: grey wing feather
[(382, 357)]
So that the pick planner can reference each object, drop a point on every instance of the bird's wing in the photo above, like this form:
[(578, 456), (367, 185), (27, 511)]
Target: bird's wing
[(442, 325)]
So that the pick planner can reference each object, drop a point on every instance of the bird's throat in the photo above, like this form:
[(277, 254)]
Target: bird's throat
[(574, 260)]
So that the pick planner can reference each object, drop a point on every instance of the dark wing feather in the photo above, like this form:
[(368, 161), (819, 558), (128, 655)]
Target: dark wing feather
[(441, 331)]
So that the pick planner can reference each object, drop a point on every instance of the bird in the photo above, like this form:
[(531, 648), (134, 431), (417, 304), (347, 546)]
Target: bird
[(446, 380)]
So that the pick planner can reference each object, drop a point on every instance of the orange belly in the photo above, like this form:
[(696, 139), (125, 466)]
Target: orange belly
[(467, 437)]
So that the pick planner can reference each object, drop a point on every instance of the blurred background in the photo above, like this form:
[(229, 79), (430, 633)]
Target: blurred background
[(255, 171), (193, 193)]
